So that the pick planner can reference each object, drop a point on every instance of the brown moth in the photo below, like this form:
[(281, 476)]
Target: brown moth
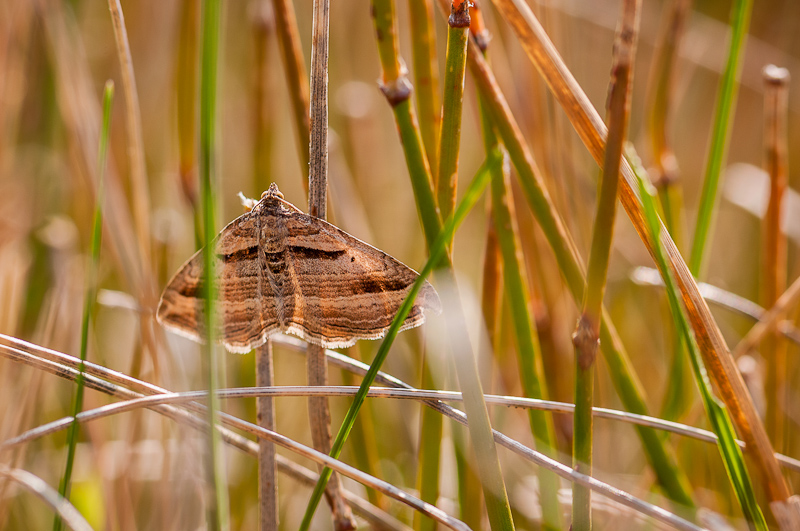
[(280, 270)]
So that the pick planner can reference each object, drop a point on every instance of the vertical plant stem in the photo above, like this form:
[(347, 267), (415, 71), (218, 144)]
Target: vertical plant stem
[(776, 107), (216, 492), (265, 417), (667, 178), (721, 133), (450, 139), (186, 106), (431, 429), (91, 294), (518, 295), (263, 24), (426, 77), (293, 63), (587, 333), (317, 367), (446, 177), (530, 355), (662, 88)]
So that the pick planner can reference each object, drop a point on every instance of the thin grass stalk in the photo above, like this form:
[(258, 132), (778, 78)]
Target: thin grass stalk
[(296, 78), (64, 510), (316, 362), (666, 176), (267, 454), (101, 379), (769, 320), (518, 294), (186, 105), (776, 107), (397, 90), (587, 332), (139, 184), (445, 185), (429, 456), (527, 340), (263, 25), (624, 378), (665, 172), (492, 481), (470, 508), (216, 498), (426, 77), (91, 295), (720, 134), (450, 139), (592, 131), (730, 452)]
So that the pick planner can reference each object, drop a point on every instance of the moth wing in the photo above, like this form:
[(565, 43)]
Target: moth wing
[(246, 303), (348, 290)]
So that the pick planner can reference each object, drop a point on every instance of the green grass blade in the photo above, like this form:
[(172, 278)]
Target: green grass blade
[(217, 503), (721, 134), (91, 293), (721, 423), (529, 352), (438, 251)]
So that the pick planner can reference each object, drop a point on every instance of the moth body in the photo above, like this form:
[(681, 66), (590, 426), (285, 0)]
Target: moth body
[(281, 270)]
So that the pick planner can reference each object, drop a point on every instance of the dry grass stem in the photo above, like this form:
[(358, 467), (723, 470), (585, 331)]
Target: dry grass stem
[(69, 514), (774, 246), (137, 402), (265, 418)]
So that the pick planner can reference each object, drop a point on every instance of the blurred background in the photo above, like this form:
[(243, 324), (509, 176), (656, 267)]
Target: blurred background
[(140, 470)]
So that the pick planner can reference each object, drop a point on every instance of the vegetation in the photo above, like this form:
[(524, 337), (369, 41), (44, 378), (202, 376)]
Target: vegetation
[(478, 158)]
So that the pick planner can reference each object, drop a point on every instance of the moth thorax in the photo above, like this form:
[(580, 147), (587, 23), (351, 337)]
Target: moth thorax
[(274, 234)]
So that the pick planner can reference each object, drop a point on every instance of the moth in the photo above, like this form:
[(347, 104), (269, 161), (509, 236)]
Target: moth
[(283, 271)]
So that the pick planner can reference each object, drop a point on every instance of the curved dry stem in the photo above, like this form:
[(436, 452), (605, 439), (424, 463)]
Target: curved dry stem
[(68, 513), (340, 360)]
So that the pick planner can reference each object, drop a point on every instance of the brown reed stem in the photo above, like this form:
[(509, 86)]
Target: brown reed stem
[(317, 367), (267, 454), (776, 110)]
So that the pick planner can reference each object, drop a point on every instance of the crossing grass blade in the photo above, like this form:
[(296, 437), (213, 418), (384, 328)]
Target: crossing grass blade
[(721, 423)]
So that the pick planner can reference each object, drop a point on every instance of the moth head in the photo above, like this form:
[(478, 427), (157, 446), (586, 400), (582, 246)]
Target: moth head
[(272, 192)]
